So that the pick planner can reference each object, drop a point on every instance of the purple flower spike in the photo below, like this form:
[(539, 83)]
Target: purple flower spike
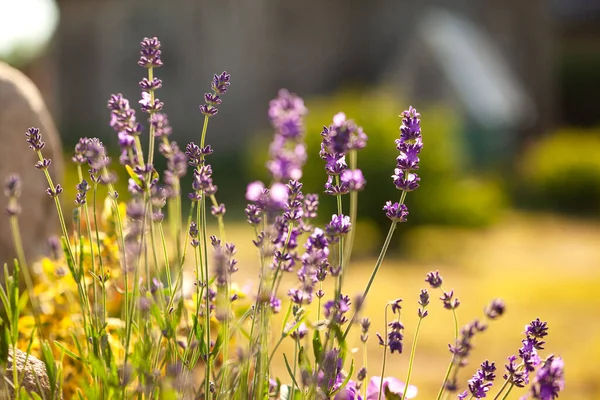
[(354, 179), (405, 181), (339, 226), (409, 145), (549, 380), (160, 122), (34, 138), (396, 212), (150, 53), (287, 151), (434, 279), (220, 83)]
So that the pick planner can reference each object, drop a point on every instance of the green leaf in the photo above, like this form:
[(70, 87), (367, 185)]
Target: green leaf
[(317, 345), (4, 341), (69, 258), (67, 351), (217, 346), (157, 314), (287, 365), (348, 376)]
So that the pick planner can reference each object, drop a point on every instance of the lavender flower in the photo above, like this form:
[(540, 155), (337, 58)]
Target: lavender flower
[(149, 106), (353, 179), (123, 122), (450, 302), (34, 138), (12, 190), (219, 85), (423, 302), (334, 310), (54, 192), (462, 349), (495, 309), (395, 212), (338, 139), (150, 53), (395, 336), (287, 151), (434, 279), (160, 122), (513, 374), (193, 232), (409, 145), (82, 189), (549, 380), (481, 382), (365, 324), (338, 227), (300, 332), (275, 305)]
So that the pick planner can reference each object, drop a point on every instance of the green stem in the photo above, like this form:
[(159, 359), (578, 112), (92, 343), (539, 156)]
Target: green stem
[(412, 357), (385, 346), (384, 249), (452, 360), (353, 155), (512, 385), (295, 365)]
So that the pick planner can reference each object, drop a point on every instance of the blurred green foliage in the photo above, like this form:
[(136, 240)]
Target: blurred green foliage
[(562, 173), (448, 193)]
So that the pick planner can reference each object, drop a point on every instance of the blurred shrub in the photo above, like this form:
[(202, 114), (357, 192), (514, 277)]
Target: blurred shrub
[(562, 173), (447, 194)]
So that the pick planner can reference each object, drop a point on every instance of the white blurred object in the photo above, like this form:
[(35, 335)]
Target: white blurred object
[(476, 69), (26, 27)]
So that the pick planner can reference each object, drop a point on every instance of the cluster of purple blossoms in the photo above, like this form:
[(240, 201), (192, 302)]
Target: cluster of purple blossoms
[(481, 382), (338, 227), (287, 151), (409, 145), (314, 268), (519, 374), (549, 379), (150, 53), (93, 153), (150, 59), (224, 254), (123, 121), (335, 310), (339, 139), (395, 329), (219, 85), (12, 190), (202, 183), (177, 164), (329, 377)]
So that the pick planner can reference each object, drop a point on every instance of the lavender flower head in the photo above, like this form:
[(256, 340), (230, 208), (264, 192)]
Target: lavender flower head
[(219, 85), (150, 53), (287, 151), (549, 380), (338, 140), (409, 145), (34, 138), (12, 190), (481, 382)]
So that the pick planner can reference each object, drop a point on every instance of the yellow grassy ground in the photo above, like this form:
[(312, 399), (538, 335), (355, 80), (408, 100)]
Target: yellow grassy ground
[(541, 266)]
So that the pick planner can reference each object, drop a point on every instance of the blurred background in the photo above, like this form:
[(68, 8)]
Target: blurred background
[(508, 92)]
